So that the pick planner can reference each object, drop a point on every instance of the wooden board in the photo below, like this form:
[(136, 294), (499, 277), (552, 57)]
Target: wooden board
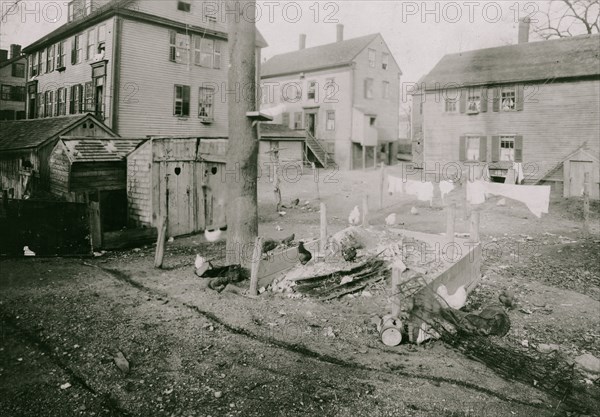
[(280, 261)]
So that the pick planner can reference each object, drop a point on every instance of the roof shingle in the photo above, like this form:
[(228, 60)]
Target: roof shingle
[(576, 56), (99, 149)]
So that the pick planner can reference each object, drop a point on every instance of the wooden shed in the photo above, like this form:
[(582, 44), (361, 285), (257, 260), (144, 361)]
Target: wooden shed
[(26, 145), (180, 178)]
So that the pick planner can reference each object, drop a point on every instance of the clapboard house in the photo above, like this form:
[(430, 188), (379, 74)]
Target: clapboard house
[(26, 147), (142, 67), (12, 84), (344, 94), (534, 103)]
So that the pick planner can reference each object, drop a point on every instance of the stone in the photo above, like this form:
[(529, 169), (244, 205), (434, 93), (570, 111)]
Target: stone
[(588, 363), (547, 347)]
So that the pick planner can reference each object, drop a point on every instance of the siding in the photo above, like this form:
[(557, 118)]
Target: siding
[(6, 78), (147, 83), (59, 171), (556, 120), (168, 10), (291, 153), (92, 176), (139, 187)]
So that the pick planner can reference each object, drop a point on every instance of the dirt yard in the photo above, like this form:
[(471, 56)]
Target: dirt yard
[(195, 352)]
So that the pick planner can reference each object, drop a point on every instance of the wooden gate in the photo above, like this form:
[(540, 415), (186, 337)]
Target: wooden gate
[(574, 174)]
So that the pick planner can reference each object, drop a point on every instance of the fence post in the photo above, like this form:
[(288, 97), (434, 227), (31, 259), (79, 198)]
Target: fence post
[(586, 203), (381, 183), (365, 219), (159, 255), (450, 216), (254, 266), (323, 241)]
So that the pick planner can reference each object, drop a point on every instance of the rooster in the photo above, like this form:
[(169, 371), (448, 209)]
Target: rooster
[(303, 254), (354, 218)]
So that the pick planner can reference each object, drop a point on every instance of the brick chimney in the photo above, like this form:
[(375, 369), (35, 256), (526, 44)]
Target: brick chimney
[(15, 51), (3, 55), (524, 25), (302, 41), (340, 32)]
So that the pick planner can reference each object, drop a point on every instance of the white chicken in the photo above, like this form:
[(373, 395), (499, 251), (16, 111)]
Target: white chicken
[(200, 261), (456, 300), (391, 219), (213, 235), (202, 265), (354, 218), (27, 251)]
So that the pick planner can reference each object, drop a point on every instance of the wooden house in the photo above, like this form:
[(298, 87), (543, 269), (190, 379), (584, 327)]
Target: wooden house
[(142, 67), (282, 145), (182, 179), (534, 103), (345, 94), (26, 146), (12, 84)]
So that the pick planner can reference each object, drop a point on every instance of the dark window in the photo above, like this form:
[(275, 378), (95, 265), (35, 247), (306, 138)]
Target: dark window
[(298, 120), (62, 101), (76, 49), (181, 105), (184, 6), (12, 93), (18, 70), (60, 55), (312, 90), (50, 58)]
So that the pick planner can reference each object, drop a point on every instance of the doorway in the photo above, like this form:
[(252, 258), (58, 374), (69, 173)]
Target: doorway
[(311, 123)]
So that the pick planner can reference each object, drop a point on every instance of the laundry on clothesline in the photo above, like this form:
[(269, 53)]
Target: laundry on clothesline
[(423, 190), (445, 188), (535, 197)]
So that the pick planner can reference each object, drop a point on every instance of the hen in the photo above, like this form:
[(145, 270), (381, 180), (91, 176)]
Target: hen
[(391, 219), (354, 218), (456, 300), (303, 255)]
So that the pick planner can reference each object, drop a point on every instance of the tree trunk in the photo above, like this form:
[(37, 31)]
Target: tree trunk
[(242, 150)]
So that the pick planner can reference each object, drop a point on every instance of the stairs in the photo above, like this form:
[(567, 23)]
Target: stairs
[(319, 151)]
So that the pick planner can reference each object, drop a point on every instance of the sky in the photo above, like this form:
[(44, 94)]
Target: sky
[(419, 33)]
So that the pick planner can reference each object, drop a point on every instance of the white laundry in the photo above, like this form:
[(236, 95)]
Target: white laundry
[(519, 174), (445, 188), (421, 189), (535, 197)]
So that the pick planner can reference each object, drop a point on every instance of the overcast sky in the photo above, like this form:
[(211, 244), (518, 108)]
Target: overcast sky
[(419, 33)]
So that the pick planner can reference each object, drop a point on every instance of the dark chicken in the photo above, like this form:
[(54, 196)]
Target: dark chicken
[(303, 255), (349, 253)]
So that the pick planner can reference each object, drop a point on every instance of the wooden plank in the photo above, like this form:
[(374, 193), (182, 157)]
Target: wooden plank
[(586, 203), (278, 262), (95, 224), (381, 183), (365, 206), (323, 230), (256, 257), (395, 292), (159, 254)]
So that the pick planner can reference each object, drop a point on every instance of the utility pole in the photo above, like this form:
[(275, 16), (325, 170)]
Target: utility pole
[(242, 149)]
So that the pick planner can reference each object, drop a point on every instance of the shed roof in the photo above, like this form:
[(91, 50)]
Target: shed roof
[(572, 57), (318, 57), (276, 131), (99, 149), (31, 133)]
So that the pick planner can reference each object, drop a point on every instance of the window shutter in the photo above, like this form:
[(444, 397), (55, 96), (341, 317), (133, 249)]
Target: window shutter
[(463, 100), (520, 97), (462, 149), (186, 100), (518, 148), (484, 100), (496, 103), (72, 100), (73, 50), (495, 148), (365, 94), (56, 94), (483, 149)]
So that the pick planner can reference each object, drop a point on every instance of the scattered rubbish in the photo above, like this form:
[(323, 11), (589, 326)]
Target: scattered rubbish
[(121, 362), (212, 235), (390, 330), (268, 245), (137, 250), (349, 253), (99, 254), (171, 239), (261, 290), (507, 298), (168, 391), (366, 294), (414, 211), (588, 363), (281, 213), (65, 386), (27, 251), (288, 240), (278, 228), (525, 311), (547, 348), (391, 219), (525, 343), (346, 279), (303, 255), (329, 332), (208, 326)]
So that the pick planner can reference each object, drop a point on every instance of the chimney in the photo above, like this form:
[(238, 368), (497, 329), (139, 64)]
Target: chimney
[(524, 30), (15, 51), (340, 32), (3, 55), (302, 41)]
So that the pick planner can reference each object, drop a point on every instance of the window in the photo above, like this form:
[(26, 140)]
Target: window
[(450, 105), (473, 148), (88, 105), (330, 121), (60, 55), (386, 90), (76, 49), (507, 148), (62, 101), (87, 7), (184, 6), (18, 70), (182, 101), (312, 90), (372, 54), (285, 119), (49, 106), (369, 88), (180, 47), (298, 120), (12, 93), (50, 58), (217, 60), (474, 101), (71, 12), (91, 43), (75, 99), (101, 39), (205, 52), (5, 92), (385, 60), (33, 64), (508, 99), (372, 121), (40, 103), (41, 61), (206, 97)]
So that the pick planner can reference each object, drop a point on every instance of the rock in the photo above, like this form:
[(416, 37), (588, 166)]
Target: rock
[(346, 280), (137, 250), (171, 239), (588, 363), (547, 348), (525, 343), (367, 294), (65, 386), (391, 219), (414, 211), (121, 362), (329, 332), (218, 394)]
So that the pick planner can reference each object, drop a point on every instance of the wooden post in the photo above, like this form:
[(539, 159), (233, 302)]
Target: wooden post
[(316, 179), (159, 255), (323, 241), (5, 200), (95, 224), (256, 255), (395, 296), (474, 226), (381, 184), (364, 157), (365, 204), (586, 203), (450, 216)]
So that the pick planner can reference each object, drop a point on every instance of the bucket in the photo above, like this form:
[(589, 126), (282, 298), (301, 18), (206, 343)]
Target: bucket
[(390, 330)]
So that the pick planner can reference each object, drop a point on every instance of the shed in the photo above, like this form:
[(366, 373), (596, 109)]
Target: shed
[(26, 145), (180, 178), (289, 142)]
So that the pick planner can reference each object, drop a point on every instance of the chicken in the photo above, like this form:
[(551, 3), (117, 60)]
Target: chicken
[(391, 219), (202, 265), (268, 245), (456, 300), (213, 235), (303, 254), (27, 251), (507, 298), (349, 253), (295, 202), (288, 240), (354, 218)]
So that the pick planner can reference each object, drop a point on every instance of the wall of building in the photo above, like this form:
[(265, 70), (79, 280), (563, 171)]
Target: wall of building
[(17, 108), (557, 118), (196, 16), (139, 186), (59, 171)]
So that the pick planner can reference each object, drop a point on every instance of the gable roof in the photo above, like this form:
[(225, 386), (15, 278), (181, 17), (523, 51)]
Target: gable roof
[(318, 57), (31, 133), (576, 56), (99, 149), (120, 7)]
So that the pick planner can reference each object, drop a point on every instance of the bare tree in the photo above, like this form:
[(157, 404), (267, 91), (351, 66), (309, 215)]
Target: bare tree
[(564, 18)]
